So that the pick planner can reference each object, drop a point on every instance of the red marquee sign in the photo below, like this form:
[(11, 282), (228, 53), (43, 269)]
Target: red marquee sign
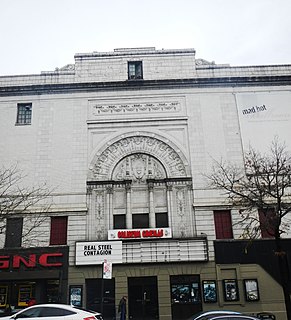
[(152, 233), (31, 260)]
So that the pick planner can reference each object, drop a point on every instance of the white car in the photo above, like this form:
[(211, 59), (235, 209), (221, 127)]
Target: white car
[(204, 314), (55, 312)]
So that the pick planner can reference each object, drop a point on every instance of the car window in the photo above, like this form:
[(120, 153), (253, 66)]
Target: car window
[(55, 312), (231, 317), (30, 313)]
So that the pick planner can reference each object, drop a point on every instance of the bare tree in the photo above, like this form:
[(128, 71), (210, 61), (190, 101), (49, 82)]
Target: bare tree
[(19, 200), (261, 191)]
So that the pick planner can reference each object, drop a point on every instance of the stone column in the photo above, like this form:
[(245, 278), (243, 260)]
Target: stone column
[(190, 207), (90, 214), (152, 217), (128, 206), (109, 206), (170, 203)]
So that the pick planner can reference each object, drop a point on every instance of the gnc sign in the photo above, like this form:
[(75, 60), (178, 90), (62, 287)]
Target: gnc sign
[(33, 260)]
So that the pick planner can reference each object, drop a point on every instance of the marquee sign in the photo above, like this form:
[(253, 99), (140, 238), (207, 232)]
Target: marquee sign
[(90, 253), (150, 233)]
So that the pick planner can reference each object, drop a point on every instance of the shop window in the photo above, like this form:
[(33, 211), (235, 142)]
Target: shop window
[(162, 220), (223, 225), (53, 291), (59, 226), (134, 70), (119, 221), (140, 220), (3, 296), (185, 289), (24, 112), (267, 223), (13, 232)]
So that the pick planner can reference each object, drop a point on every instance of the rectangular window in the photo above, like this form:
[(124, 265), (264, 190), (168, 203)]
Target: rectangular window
[(119, 221), (223, 226), (140, 220), (13, 232), (59, 226), (267, 222), (162, 220), (185, 289), (24, 112), (135, 70)]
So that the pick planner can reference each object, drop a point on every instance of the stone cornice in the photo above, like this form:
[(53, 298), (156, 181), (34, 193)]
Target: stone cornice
[(222, 82)]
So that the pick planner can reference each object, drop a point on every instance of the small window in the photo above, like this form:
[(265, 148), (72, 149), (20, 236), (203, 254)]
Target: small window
[(223, 226), (13, 232), (59, 227), (119, 221), (135, 70), (140, 220), (24, 111), (162, 220), (267, 223)]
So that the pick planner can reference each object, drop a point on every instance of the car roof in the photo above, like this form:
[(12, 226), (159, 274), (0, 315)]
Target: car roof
[(230, 316), (64, 306), (213, 312)]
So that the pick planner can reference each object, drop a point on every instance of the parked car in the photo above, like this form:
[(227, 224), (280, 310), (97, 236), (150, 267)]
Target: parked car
[(55, 312), (230, 317), (204, 314)]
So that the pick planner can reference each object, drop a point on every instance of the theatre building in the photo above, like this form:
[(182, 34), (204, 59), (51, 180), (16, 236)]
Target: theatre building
[(125, 139)]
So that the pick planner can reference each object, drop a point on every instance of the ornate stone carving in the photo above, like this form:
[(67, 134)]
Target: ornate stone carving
[(139, 167), (200, 62), (105, 162), (181, 202), (99, 214)]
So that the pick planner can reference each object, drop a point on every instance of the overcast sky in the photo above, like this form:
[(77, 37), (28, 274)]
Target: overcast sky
[(41, 35)]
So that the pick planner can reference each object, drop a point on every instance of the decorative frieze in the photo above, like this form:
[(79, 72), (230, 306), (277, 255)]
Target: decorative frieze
[(104, 109)]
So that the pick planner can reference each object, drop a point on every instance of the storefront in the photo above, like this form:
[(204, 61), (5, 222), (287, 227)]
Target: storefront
[(159, 275), (39, 273)]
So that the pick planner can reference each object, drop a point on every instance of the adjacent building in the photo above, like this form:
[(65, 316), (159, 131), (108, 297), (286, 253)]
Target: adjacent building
[(124, 140)]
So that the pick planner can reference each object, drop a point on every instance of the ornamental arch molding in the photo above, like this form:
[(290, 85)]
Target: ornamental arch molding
[(139, 180), (168, 154)]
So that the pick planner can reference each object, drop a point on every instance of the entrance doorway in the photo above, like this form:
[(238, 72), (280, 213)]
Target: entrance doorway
[(100, 295), (143, 298)]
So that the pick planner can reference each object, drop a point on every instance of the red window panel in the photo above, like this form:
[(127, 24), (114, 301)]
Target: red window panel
[(267, 223), (223, 226), (59, 226)]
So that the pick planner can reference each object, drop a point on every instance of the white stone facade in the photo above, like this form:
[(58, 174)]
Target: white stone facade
[(92, 130), (71, 127)]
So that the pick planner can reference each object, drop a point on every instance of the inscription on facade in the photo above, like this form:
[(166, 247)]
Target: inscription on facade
[(99, 109)]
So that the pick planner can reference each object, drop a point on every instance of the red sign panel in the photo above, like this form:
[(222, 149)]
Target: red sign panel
[(126, 234), (31, 260)]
